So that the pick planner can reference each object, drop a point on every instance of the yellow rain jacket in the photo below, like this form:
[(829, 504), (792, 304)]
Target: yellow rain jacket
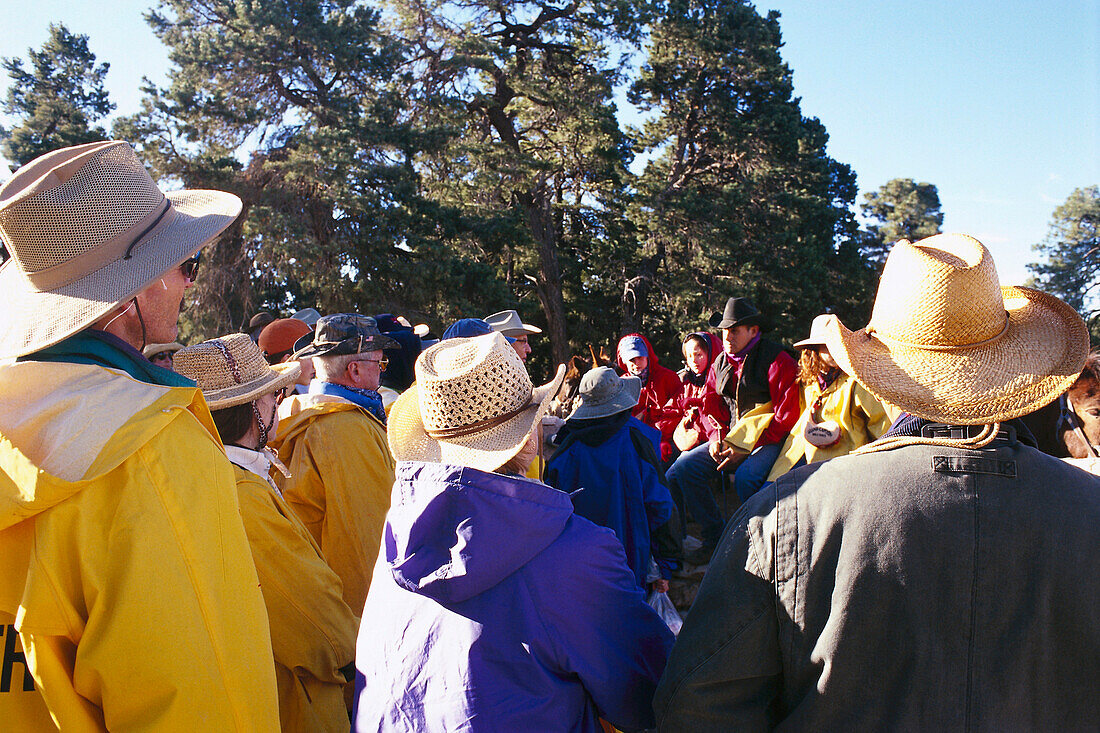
[(126, 570), (312, 629), (341, 477), (862, 418)]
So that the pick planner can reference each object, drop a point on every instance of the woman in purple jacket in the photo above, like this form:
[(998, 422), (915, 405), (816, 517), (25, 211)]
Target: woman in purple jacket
[(493, 607)]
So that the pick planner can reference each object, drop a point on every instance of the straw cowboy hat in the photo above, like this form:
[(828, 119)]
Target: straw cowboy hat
[(472, 405), (947, 343), (231, 370), (87, 229)]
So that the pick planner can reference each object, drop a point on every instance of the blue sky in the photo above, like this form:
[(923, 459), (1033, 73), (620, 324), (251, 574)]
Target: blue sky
[(996, 103)]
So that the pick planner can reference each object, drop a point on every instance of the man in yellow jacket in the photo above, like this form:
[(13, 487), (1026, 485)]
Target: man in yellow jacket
[(333, 441), (128, 596)]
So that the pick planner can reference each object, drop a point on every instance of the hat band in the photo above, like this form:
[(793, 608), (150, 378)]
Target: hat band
[(482, 425), (94, 259), (871, 332)]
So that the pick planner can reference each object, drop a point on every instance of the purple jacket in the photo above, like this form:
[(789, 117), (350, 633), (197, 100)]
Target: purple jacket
[(494, 608)]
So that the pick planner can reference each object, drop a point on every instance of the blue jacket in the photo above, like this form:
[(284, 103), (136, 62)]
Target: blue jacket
[(494, 608), (610, 468)]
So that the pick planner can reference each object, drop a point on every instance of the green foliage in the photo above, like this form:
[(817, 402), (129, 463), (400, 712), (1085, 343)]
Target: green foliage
[(740, 198), (1071, 269), (56, 100), (450, 158), (901, 209)]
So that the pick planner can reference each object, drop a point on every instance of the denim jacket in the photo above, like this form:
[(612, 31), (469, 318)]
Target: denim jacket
[(920, 588)]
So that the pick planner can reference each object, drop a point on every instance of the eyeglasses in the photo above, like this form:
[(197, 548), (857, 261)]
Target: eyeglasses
[(382, 363), (190, 267)]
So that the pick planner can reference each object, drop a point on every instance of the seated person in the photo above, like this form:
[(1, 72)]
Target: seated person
[(660, 387), (704, 415), (607, 462), (838, 413), (312, 629)]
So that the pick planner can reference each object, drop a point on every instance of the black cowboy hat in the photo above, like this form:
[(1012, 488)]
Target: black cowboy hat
[(738, 312)]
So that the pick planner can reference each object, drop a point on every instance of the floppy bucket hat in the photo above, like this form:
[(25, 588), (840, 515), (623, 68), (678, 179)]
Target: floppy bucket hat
[(510, 324), (738, 312), (948, 343), (341, 334), (86, 229), (231, 370), (603, 392), (817, 332), (472, 405)]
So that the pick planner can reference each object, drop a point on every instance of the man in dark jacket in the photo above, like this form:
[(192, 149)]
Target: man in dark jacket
[(607, 462), (750, 373), (944, 577)]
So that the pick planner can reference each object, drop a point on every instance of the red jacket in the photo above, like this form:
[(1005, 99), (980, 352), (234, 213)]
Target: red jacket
[(657, 404), (705, 398)]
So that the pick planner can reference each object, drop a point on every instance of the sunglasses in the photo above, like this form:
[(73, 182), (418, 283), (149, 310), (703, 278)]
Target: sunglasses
[(190, 267), (382, 363)]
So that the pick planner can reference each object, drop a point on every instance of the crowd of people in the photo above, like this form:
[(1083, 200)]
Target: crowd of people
[(334, 521)]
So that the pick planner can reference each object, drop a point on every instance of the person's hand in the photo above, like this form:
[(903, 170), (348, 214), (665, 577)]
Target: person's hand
[(551, 424), (719, 451), (660, 585), (731, 459)]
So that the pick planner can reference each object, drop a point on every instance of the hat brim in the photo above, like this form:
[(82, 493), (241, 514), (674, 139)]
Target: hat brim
[(1037, 358), (717, 321), (809, 342), (281, 375), (305, 349), (630, 390), (524, 329), (36, 319), (409, 441)]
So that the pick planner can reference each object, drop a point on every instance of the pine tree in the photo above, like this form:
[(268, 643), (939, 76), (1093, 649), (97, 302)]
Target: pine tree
[(56, 100), (740, 197), (900, 209), (1071, 269)]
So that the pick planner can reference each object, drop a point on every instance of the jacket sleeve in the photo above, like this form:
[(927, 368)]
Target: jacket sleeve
[(163, 624), (312, 629), (664, 521), (602, 628), (724, 673), (783, 388), (874, 412)]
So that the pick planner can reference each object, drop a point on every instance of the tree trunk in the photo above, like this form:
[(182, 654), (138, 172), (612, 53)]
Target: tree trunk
[(540, 219)]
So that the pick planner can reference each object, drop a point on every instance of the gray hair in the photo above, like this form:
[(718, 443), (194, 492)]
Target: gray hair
[(331, 368)]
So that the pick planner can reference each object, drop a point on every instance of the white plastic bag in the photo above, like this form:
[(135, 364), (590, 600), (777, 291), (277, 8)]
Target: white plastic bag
[(662, 604)]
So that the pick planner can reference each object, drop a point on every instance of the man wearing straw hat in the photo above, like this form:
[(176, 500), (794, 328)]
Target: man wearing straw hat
[(126, 570), (943, 577), (333, 440)]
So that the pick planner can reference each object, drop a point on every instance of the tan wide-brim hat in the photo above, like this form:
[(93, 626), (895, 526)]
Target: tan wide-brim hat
[(947, 343), (817, 332), (153, 349), (472, 405), (88, 229), (231, 370)]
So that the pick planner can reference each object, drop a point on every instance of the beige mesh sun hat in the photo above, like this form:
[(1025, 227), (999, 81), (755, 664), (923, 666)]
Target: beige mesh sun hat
[(87, 229), (231, 370), (947, 343), (472, 405)]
